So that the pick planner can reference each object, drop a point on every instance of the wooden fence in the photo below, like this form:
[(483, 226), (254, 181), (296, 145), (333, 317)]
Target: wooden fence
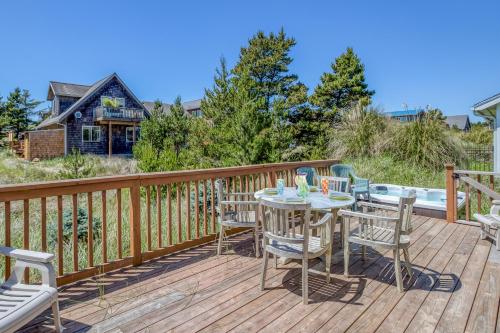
[(479, 188), (167, 212)]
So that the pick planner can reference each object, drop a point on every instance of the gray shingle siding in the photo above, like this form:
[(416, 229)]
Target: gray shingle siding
[(74, 126)]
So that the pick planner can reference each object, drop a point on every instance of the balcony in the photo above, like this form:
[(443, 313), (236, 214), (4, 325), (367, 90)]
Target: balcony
[(102, 113)]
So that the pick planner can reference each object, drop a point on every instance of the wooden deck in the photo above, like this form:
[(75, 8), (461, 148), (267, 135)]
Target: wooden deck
[(455, 288)]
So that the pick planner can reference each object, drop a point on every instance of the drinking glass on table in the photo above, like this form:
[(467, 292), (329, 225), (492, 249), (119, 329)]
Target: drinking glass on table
[(280, 186)]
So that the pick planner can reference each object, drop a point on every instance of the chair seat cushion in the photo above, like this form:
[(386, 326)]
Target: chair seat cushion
[(489, 220), (20, 303), (296, 250)]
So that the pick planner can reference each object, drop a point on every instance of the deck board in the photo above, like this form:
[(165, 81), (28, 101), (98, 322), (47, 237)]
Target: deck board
[(455, 288)]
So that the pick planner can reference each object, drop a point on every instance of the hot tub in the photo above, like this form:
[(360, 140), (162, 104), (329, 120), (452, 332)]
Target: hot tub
[(430, 202)]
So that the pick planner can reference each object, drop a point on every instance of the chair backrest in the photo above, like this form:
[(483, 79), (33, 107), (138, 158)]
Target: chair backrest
[(406, 209), (341, 170), (219, 195), (278, 221), (338, 184), (310, 173)]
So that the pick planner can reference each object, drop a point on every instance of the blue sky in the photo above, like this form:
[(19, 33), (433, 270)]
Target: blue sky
[(442, 53)]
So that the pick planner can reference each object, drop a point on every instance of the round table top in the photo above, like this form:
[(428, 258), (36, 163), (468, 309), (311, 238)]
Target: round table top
[(318, 200)]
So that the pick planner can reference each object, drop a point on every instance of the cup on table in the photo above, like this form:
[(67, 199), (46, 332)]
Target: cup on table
[(280, 186)]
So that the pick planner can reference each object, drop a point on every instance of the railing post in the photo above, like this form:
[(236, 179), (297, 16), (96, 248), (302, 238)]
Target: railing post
[(451, 194), (272, 178), (135, 225)]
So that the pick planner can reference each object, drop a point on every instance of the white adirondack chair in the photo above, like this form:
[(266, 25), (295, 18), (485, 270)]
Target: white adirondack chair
[(382, 231), (236, 213), (281, 238), (492, 220), (20, 303)]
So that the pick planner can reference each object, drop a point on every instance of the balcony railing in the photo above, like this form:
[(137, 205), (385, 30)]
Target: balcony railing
[(100, 224), (105, 113)]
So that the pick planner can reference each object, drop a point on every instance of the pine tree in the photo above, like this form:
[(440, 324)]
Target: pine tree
[(262, 76), (18, 110), (344, 86)]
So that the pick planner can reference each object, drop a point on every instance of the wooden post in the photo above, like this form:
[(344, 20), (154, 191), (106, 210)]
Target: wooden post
[(110, 142), (451, 194), (133, 135), (135, 225)]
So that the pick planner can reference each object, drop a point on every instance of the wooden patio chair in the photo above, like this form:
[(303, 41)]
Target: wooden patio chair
[(489, 221), (236, 213), (281, 238), (19, 302), (382, 231), (337, 184), (310, 173)]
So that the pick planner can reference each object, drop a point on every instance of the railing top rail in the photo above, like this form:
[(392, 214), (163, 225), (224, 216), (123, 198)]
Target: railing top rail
[(12, 192), (474, 172)]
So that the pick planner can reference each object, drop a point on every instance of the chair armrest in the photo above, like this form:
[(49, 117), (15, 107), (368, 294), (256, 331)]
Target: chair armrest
[(26, 254), (348, 213), (238, 202), (495, 202), (240, 193), (327, 217), (377, 206)]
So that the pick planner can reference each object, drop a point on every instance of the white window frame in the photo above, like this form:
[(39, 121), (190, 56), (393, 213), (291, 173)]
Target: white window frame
[(122, 99), (91, 133)]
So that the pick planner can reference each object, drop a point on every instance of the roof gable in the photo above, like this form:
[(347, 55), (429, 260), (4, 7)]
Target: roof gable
[(91, 91), (66, 89)]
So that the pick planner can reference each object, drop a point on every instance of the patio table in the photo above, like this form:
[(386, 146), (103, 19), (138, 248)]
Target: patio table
[(319, 202)]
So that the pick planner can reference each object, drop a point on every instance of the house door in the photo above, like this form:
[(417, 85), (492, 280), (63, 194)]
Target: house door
[(119, 145)]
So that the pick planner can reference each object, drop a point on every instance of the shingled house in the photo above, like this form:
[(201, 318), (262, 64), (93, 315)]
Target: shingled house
[(102, 118)]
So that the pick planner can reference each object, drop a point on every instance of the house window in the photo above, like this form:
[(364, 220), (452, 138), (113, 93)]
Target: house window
[(91, 133), (115, 102), (130, 134), (196, 113)]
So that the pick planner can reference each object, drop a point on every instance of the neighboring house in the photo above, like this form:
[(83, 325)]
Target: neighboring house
[(102, 118), (460, 122), (489, 109), (405, 115), (192, 108)]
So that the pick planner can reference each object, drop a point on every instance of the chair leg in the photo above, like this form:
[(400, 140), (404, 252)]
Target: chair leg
[(342, 234), (257, 246), (275, 261), (483, 233), (363, 252), (57, 317), (221, 237), (328, 263), (408, 262), (346, 259), (265, 258), (498, 239), (397, 270), (305, 287)]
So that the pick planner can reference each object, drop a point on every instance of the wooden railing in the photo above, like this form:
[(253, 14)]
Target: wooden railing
[(84, 222), (479, 190)]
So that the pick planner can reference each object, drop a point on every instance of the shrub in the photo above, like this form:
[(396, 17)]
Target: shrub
[(359, 133), (82, 227), (75, 165), (425, 142)]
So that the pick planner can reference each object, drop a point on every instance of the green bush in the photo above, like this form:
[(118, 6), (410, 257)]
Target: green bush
[(82, 226), (359, 133), (75, 165), (427, 143)]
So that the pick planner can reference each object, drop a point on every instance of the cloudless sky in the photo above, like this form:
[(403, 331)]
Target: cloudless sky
[(442, 53)]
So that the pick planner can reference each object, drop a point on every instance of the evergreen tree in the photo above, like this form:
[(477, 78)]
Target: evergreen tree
[(3, 119), (18, 110), (344, 86), (164, 139), (272, 95)]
